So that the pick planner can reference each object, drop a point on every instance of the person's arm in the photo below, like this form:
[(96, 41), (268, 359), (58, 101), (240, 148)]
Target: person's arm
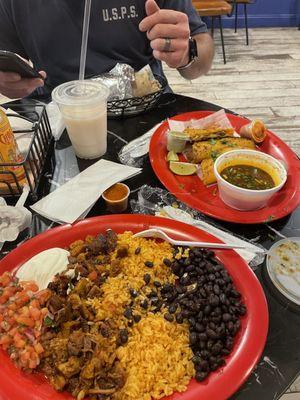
[(169, 32), (11, 84), (202, 64)]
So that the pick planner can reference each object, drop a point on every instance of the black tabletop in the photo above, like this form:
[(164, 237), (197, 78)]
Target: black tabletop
[(280, 361)]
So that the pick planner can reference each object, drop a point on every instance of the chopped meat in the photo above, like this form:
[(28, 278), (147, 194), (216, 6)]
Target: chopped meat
[(75, 343), (81, 270), (86, 313), (55, 303), (98, 245), (90, 369), (112, 240), (115, 267), (71, 367), (58, 382), (75, 301), (63, 315), (122, 251), (82, 287), (94, 292), (58, 348)]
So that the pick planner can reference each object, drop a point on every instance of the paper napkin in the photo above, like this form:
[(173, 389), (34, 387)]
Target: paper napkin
[(71, 201), (218, 119)]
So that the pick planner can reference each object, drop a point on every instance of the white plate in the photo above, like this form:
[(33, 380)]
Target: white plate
[(287, 283)]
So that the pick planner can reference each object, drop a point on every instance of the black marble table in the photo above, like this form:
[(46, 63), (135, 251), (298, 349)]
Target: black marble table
[(280, 361)]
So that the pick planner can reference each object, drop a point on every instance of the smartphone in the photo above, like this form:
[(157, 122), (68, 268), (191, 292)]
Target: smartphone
[(11, 62)]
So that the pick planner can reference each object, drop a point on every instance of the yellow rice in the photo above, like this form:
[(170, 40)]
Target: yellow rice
[(157, 357)]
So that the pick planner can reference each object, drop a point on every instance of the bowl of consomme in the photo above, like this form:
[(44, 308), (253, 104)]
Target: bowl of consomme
[(247, 179)]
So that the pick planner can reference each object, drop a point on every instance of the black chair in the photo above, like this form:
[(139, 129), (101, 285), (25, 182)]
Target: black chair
[(235, 5), (214, 9)]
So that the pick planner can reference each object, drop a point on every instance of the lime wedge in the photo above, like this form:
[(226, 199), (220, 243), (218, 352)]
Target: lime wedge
[(172, 156), (181, 168)]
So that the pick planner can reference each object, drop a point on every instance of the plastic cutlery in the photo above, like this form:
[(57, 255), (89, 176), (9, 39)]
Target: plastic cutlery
[(158, 233)]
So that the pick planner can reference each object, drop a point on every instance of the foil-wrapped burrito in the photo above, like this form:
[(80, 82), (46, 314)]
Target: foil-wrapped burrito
[(124, 83)]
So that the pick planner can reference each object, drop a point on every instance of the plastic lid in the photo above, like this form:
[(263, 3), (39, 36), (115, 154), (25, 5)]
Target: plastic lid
[(80, 93), (283, 266)]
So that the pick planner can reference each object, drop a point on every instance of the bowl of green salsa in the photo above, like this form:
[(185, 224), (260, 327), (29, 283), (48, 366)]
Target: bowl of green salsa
[(248, 179)]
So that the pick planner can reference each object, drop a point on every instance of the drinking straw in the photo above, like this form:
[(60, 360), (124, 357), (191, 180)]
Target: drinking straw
[(85, 35)]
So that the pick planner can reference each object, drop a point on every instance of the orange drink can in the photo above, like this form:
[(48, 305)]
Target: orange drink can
[(9, 151)]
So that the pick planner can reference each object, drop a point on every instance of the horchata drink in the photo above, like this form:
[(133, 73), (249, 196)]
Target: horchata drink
[(83, 105)]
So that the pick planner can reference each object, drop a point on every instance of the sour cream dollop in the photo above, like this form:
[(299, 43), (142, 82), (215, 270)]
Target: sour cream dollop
[(44, 266)]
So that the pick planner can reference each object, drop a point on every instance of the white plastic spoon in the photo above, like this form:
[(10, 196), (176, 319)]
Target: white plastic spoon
[(158, 233)]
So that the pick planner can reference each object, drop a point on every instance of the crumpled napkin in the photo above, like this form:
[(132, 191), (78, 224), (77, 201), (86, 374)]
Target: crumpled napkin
[(70, 201), (14, 220)]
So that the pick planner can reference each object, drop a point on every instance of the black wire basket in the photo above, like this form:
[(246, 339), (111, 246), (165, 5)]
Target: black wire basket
[(136, 105), (35, 157)]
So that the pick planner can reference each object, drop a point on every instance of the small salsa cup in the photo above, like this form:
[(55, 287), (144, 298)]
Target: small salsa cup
[(248, 199), (116, 197)]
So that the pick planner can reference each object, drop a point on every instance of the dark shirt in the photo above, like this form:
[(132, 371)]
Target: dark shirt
[(48, 32)]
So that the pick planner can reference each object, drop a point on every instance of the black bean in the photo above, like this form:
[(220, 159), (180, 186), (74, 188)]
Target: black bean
[(216, 289), (200, 376), (199, 327), (181, 289), (130, 323), (200, 316), (152, 294), (212, 325), (157, 284), (207, 309), (123, 334), (192, 321), (137, 318), (210, 344), (211, 277), (144, 304), (214, 300), (216, 349), (202, 345), (179, 318), (214, 367), (154, 301), (137, 250), (223, 298), (205, 354), (185, 313), (211, 334), (149, 264), (128, 313), (229, 343), (147, 278), (203, 293), (242, 310), (169, 317), (190, 268), (226, 317), (204, 366), (167, 262), (220, 362), (158, 306), (184, 280), (196, 359), (133, 293), (193, 338), (202, 337), (225, 352)]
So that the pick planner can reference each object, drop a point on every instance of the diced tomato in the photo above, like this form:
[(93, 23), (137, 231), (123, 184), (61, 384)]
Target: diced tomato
[(29, 286), (23, 320), (38, 348), (92, 276), (5, 279), (5, 339)]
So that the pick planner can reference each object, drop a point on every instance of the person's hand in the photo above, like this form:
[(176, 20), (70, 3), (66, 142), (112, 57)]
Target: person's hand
[(168, 32), (15, 87)]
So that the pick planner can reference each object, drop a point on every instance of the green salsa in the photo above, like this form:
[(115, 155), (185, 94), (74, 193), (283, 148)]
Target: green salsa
[(248, 177)]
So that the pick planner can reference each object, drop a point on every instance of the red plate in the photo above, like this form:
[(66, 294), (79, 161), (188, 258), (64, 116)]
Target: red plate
[(191, 190), (220, 384)]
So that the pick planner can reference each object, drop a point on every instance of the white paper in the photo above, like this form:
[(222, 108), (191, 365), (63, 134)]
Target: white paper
[(55, 119), (218, 119), (71, 200)]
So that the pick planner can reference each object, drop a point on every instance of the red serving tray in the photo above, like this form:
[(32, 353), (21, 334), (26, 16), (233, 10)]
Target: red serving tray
[(221, 384), (194, 193)]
